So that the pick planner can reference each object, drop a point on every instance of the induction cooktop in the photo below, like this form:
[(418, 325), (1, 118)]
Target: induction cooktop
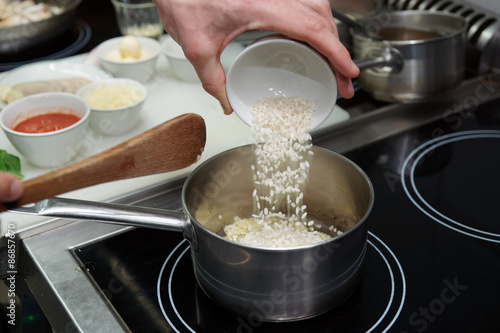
[(433, 246)]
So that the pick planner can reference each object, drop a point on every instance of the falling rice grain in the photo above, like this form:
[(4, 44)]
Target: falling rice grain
[(282, 145)]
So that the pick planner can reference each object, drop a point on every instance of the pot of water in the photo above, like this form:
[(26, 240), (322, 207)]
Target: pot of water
[(410, 56)]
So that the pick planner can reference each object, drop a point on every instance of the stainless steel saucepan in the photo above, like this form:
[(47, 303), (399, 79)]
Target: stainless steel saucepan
[(416, 54), (269, 284)]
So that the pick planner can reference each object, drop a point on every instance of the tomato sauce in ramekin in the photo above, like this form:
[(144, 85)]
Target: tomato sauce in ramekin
[(53, 121)]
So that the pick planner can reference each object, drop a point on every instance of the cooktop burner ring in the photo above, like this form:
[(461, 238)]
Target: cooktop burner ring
[(80, 33), (411, 190), (394, 296), (390, 314), (171, 255)]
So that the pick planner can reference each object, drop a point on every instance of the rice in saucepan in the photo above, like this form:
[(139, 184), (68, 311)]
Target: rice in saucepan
[(282, 146)]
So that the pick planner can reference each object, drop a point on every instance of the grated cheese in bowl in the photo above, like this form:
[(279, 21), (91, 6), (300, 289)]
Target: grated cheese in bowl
[(108, 96), (116, 104)]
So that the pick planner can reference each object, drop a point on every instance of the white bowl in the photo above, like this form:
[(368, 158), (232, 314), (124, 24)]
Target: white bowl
[(141, 70), (114, 119), (277, 66), (181, 67), (50, 149)]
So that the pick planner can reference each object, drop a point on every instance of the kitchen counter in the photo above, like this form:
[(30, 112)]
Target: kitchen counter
[(167, 98)]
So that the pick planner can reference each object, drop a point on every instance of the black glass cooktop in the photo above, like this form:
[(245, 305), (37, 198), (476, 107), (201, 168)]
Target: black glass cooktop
[(433, 252)]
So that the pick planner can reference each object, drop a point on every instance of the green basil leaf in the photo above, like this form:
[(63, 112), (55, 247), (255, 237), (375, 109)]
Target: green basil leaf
[(10, 163)]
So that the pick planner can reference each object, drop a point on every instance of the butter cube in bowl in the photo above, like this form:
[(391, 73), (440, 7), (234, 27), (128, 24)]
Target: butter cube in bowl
[(115, 104), (130, 57)]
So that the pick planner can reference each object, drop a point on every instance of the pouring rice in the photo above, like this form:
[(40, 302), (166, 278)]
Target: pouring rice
[(282, 148)]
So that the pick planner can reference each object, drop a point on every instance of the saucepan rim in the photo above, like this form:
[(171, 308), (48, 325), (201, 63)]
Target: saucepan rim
[(338, 238)]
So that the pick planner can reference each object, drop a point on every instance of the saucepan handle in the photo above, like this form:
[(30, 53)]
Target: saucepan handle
[(129, 215), (387, 57)]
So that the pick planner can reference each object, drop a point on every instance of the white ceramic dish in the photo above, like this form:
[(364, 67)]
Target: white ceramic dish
[(115, 121), (49, 70), (180, 66), (50, 149), (141, 70), (277, 66)]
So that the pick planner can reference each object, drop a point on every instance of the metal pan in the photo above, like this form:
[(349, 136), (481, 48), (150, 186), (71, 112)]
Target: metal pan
[(269, 284), (418, 55), (18, 38), (355, 10)]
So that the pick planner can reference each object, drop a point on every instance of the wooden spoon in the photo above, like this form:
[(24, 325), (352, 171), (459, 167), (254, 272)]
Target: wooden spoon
[(173, 145)]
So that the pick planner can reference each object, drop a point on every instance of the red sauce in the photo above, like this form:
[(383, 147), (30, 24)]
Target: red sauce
[(48, 122)]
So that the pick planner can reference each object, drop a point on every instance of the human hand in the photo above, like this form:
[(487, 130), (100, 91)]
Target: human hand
[(204, 28), (11, 188)]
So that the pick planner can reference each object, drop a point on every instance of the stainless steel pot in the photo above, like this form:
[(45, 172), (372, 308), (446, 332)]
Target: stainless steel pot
[(355, 9), (419, 54), (21, 37), (270, 284)]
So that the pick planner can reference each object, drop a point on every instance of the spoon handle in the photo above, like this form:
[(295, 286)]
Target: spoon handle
[(350, 22)]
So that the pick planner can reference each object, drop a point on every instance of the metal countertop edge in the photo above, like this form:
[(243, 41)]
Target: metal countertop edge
[(57, 279), (61, 286)]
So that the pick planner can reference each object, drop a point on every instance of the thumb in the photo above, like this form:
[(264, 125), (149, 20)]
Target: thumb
[(11, 188)]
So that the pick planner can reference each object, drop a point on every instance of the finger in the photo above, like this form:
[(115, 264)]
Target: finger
[(344, 85), (213, 79), (317, 28), (11, 188), (336, 53)]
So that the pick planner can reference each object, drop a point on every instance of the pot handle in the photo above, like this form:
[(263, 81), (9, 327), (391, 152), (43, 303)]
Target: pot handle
[(109, 213), (389, 58)]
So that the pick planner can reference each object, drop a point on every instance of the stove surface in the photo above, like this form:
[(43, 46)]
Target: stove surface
[(432, 259), (66, 44)]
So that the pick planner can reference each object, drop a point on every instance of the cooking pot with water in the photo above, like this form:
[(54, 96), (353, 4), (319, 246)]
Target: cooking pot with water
[(416, 55)]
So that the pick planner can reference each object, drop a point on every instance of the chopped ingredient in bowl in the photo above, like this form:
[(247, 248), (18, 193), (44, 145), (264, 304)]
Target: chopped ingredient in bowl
[(113, 97), (146, 30)]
